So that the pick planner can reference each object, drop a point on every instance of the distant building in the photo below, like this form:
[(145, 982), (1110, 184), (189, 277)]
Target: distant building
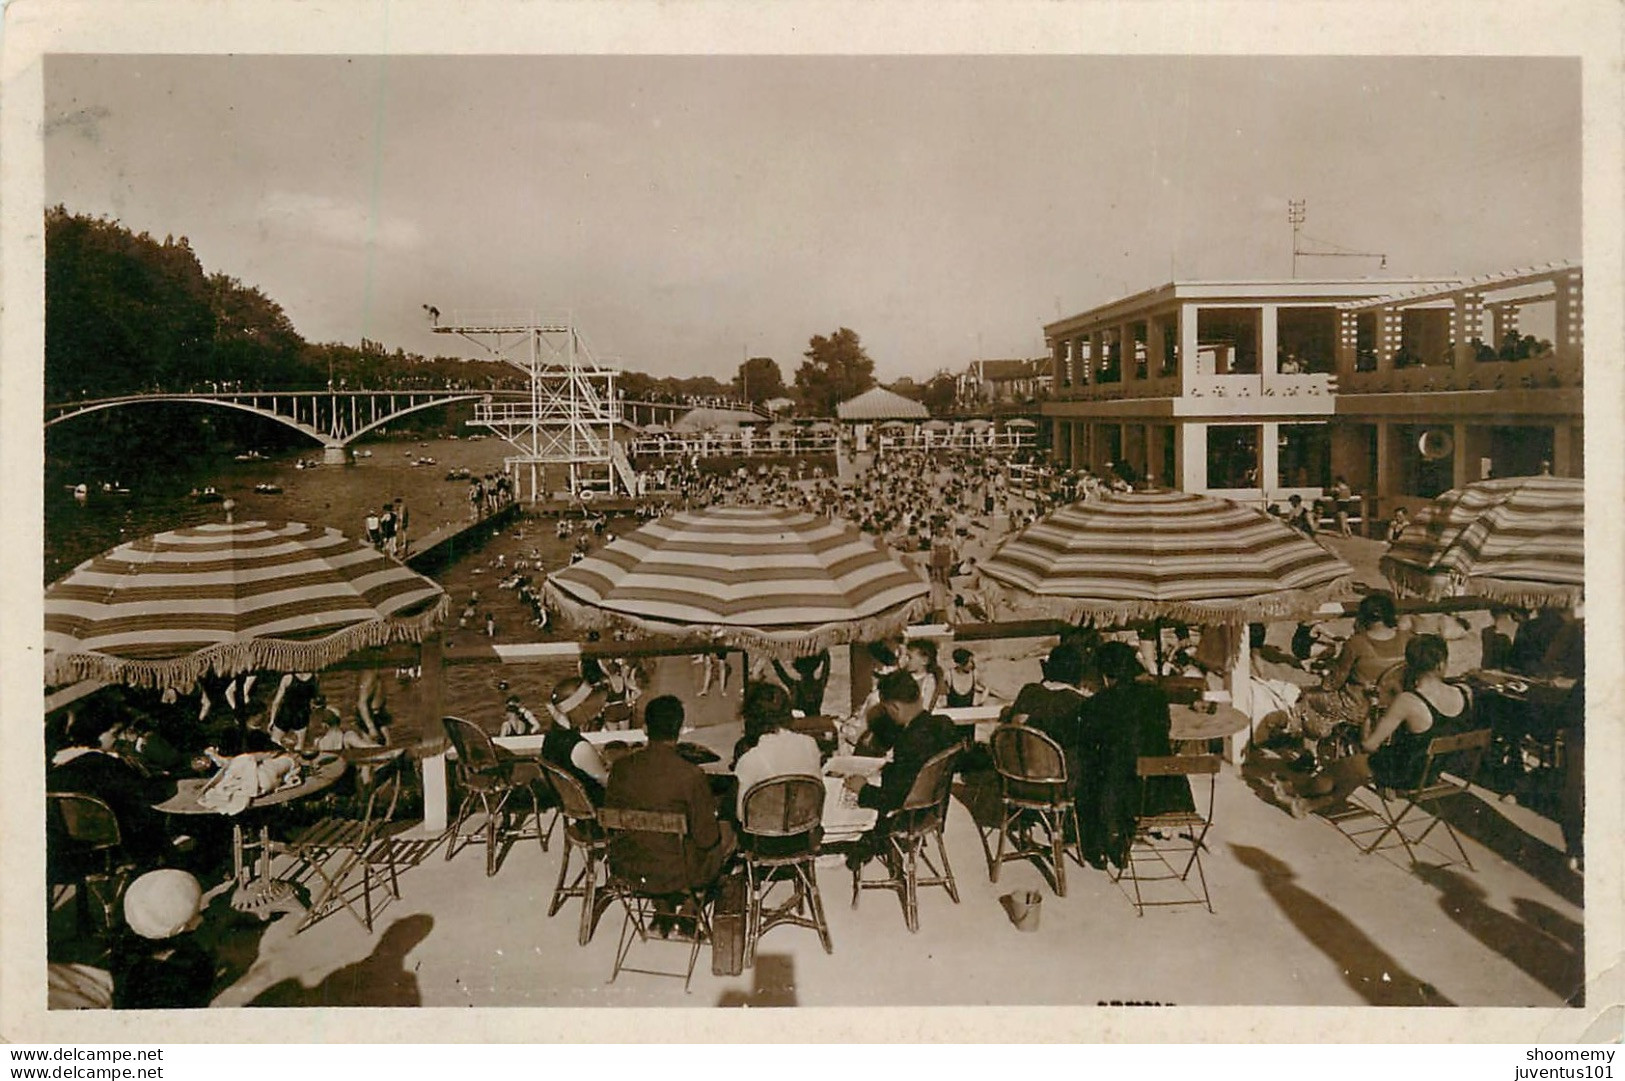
[(779, 405), (993, 381), (1255, 390)]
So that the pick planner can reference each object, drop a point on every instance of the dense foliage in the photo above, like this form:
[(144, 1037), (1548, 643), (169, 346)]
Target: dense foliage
[(836, 368)]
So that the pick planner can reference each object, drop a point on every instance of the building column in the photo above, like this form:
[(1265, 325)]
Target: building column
[(1154, 346), (1467, 328), (1193, 456), (1348, 341), (1387, 483), (1569, 317), (1057, 365), (1269, 457), (1503, 321), (1463, 467), (1188, 364), (1567, 450), (1390, 332), (1080, 448), (1268, 340), (1155, 440)]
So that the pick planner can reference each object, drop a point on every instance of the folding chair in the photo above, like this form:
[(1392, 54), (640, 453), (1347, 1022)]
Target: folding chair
[(780, 831), (1188, 829), (642, 899), (489, 778), (1464, 753), (920, 819), (583, 832), (1033, 785), (88, 853), (339, 847)]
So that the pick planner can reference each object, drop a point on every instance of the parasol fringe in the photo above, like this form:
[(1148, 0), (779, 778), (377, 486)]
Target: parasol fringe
[(1291, 604), (786, 645), (1413, 581), (1526, 594), (235, 658)]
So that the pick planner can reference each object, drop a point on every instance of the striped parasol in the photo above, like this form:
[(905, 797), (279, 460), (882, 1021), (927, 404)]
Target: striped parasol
[(782, 582), (1164, 555), (1519, 539), (240, 597)]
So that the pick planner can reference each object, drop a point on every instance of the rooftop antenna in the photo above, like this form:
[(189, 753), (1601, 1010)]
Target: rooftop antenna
[(1296, 211)]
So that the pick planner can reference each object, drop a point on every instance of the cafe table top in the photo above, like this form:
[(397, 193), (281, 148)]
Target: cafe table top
[(323, 774)]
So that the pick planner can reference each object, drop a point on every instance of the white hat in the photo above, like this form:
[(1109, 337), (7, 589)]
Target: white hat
[(161, 904)]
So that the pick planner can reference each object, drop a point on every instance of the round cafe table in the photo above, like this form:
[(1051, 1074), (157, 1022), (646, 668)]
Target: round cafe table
[(257, 893), (1194, 725)]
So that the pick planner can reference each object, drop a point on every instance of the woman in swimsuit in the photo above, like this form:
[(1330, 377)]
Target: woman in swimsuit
[(1394, 749)]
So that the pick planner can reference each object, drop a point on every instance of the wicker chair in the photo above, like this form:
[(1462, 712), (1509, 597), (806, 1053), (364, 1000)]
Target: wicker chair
[(780, 833), (87, 851), (1034, 787), (583, 833), (919, 819), (489, 779)]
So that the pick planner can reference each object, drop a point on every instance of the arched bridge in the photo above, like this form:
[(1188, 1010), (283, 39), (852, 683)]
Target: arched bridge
[(337, 418)]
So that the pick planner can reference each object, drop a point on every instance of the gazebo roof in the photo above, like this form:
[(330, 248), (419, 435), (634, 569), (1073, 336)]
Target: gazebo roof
[(878, 403), (706, 419)]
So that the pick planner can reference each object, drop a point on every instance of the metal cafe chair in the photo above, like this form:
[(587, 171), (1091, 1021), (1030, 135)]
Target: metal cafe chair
[(489, 780), (1034, 786), (87, 852), (340, 847), (1463, 754), (583, 833), (921, 817), (780, 833), (643, 900), (1171, 839)]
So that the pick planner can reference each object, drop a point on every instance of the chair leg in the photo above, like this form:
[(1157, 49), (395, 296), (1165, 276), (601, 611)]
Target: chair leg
[(947, 869), (589, 898), (1057, 844), (753, 913), (491, 833), (557, 902), (998, 853), (394, 876), (809, 873), (463, 809), (911, 887)]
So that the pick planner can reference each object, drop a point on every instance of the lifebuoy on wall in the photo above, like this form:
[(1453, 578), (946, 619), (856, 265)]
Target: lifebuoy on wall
[(586, 495), (1436, 443)]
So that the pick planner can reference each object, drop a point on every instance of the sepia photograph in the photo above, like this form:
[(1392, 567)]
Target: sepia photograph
[(681, 530)]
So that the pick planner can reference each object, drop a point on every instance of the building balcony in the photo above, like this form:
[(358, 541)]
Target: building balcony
[(1270, 385), (1552, 371)]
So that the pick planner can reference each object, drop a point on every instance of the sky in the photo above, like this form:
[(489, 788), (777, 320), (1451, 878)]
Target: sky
[(687, 212)]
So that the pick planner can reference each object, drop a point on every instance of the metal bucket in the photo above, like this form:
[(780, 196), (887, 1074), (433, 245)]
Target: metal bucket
[(1024, 908)]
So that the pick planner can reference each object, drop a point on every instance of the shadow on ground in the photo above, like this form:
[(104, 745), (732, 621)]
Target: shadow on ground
[(773, 983), (1368, 970), (380, 979), (1541, 941)]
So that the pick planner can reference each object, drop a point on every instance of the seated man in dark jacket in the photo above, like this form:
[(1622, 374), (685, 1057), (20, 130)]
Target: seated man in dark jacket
[(920, 735), (657, 778), (89, 765)]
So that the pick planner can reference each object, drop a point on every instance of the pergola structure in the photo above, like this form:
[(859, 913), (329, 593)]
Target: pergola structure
[(570, 417)]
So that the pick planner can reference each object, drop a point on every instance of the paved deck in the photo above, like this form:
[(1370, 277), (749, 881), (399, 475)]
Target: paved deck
[(1302, 918)]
